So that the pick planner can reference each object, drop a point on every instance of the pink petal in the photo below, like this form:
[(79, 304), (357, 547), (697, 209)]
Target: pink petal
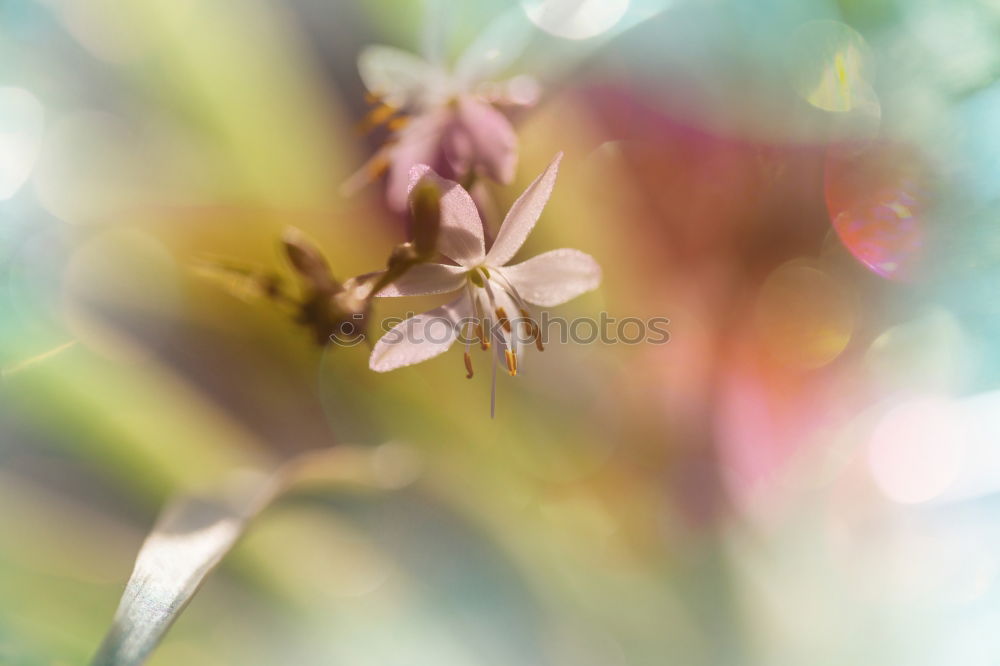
[(552, 278), (461, 235), (489, 138), (522, 216), (418, 143), (457, 149), (421, 337), (426, 279)]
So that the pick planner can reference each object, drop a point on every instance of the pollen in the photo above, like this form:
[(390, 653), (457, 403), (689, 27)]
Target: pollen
[(511, 362), (502, 318), (468, 366)]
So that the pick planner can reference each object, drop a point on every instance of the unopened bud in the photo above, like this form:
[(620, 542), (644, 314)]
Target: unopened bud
[(425, 209), (403, 255), (307, 260)]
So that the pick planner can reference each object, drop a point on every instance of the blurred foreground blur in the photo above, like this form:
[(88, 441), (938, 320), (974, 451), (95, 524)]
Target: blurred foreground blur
[(806, 472)]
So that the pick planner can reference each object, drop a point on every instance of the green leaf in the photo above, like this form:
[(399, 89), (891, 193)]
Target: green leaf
[(194, 533)]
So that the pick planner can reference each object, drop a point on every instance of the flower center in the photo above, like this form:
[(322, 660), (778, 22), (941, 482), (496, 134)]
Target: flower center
[(477, 276), (490, 293)]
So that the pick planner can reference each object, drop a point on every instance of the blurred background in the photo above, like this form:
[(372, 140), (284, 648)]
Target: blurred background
[(808, 472)]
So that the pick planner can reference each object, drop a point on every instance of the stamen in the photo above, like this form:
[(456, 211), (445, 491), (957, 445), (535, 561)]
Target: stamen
[(511, 362), (502, 318), (512, 292), (493, 387), (397, 123), (377, 166), (377, 116), (483, 335), (468, 366), (533, 330)]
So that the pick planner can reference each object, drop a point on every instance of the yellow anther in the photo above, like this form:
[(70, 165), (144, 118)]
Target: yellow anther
[(511, 362), (377, 166), (468, 366), (502, 318), (482, 333), (397, 123), (377, 116)]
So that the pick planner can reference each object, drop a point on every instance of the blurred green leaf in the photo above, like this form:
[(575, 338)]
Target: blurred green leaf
[(194, 533)]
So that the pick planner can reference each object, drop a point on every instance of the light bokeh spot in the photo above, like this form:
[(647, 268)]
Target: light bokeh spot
[(831, 68), (575, 19), (917, 449), (22, 122), (875, 200), (121, 273), (92, 169), (930, 352), (803, 317)]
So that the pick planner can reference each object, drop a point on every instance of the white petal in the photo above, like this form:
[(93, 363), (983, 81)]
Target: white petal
[(552, 278), (521, 90), (401, 78), (493, 51), (426, 279), (522, 216), (433, 36), (461, 235), (421, 337)]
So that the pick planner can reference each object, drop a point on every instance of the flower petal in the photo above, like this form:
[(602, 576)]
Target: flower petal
[(522, 216), (521, 90), (421, 337), (461, 235), (496, 47), (425, 279), (418, 143), (400, 78), (552, 278), (484, 138)]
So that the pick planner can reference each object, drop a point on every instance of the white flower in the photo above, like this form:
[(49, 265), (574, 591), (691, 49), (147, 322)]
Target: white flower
[(494, 298), (450, 123)]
